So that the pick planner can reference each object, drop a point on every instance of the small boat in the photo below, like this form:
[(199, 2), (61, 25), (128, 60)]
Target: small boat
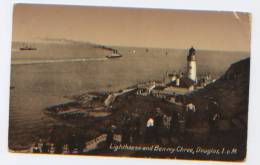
[(115, 54), (27, 48)]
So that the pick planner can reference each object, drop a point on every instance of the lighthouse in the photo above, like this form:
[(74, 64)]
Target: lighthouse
[(191, 65)]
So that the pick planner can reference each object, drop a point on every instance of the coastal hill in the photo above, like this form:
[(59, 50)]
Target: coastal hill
[(231, 92)]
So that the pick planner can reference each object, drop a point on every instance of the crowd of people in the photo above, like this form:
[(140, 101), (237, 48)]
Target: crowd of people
[(146, 129), (159, 124), (138, 129)]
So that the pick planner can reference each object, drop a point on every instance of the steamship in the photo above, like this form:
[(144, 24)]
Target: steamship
[(114, 54)]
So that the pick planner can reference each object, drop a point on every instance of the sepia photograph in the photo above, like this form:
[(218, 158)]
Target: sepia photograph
[(129, 82)]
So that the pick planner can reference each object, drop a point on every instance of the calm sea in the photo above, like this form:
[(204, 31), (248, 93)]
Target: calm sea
[(43, 77)]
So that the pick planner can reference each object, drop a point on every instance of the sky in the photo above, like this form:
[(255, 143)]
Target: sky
[(159, 28)]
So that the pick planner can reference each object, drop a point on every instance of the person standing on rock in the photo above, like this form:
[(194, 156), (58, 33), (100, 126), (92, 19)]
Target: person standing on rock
[(65, 149), (52, 149), (174, 123), (136, 134), (149, 133), (44, 147), (213, 109), (190, 110), (110, 136), (158, 121), (125, 131), (35, 148)]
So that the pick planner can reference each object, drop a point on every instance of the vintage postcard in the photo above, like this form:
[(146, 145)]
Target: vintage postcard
[(148, 83)]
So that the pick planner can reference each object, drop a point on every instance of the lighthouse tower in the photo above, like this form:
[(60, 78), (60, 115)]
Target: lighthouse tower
[(191, 67)]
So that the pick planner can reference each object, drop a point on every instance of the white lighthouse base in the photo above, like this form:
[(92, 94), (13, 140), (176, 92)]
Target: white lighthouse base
[(192, 70)]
